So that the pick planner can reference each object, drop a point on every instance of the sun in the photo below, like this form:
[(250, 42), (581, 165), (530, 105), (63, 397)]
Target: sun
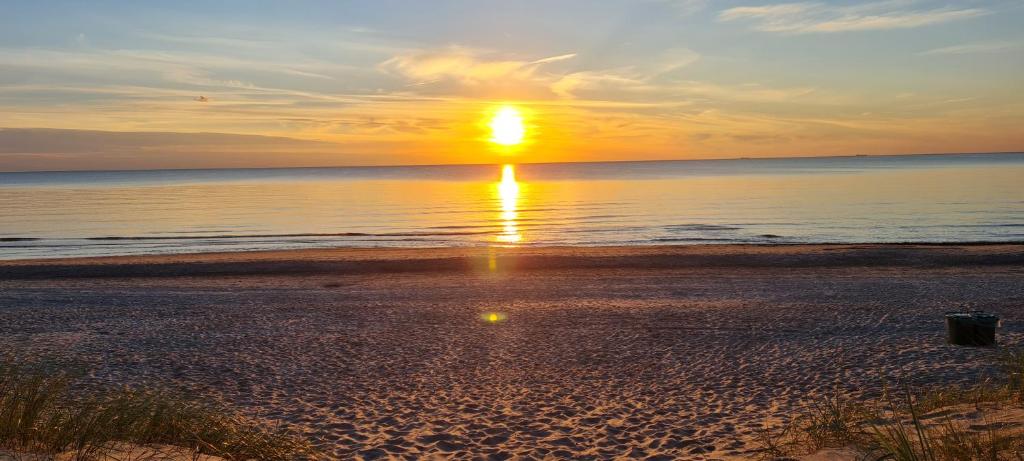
[(507, 126)]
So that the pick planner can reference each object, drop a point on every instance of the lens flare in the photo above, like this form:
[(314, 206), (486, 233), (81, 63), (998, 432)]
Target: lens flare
[(493, 317)]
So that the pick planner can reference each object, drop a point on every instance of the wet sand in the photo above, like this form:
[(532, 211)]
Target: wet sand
[(648, 352)]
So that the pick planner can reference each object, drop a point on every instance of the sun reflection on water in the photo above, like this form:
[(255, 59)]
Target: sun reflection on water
[(508, 193)]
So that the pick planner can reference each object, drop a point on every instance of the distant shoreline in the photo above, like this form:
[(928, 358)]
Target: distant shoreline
[(482, 259)]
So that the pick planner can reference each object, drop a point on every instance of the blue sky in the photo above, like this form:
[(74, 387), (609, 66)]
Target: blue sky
[(385, 82)]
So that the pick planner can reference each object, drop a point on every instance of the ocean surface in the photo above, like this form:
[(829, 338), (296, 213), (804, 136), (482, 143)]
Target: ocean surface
[(921, 198)]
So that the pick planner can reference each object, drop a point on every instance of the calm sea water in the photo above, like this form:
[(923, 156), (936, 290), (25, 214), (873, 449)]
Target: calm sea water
[(934, 198)]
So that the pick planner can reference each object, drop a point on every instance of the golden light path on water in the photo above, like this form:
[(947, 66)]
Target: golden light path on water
[(508, 194)]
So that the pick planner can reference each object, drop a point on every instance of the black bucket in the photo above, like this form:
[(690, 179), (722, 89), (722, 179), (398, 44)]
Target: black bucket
[(971, 328)]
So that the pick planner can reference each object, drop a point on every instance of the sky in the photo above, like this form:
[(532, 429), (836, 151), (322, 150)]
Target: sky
[(195, 84)]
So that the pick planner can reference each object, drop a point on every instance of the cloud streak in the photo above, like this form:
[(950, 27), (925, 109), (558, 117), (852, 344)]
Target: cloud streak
[(463, 64), (813, 17), (973, 48)]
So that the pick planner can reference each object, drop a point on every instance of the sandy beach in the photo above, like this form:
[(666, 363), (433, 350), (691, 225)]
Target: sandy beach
[(661, 352)]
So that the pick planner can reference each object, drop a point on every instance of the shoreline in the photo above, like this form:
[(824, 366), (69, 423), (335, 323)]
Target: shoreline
[(476, 259)]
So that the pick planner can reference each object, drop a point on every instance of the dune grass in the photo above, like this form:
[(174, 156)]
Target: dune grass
[(896, 426), (1012, 365), (40, 414), (900, 434)]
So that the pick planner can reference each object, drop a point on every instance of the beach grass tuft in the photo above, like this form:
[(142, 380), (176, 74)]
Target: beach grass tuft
[(832, 421), (40, 414), (905, 436), (1012, 365), (904, 425), (775, 444)]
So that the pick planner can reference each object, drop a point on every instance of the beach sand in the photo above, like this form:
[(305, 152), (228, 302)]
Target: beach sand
[(646, 352)]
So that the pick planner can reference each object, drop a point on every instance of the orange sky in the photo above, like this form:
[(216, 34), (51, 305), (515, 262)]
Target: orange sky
[(321, 83)]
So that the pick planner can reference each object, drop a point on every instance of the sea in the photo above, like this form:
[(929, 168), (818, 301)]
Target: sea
[(857, 199)]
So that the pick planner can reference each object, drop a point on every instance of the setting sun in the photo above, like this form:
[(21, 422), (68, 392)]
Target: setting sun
[(507, 127)]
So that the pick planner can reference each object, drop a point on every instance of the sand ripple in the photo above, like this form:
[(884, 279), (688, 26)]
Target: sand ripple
[(666, 364)]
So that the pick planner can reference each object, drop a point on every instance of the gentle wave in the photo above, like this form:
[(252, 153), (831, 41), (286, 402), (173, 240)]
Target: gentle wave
[(700, 227)]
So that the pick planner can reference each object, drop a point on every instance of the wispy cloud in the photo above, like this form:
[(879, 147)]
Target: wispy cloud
[(813, 17), (569, 86), (637, 77), (561, 57), (465, 65), (662, 81), (973, 48), (750, 92)]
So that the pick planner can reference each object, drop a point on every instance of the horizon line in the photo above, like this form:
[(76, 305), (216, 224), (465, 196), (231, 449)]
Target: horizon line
[(415, 165)]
